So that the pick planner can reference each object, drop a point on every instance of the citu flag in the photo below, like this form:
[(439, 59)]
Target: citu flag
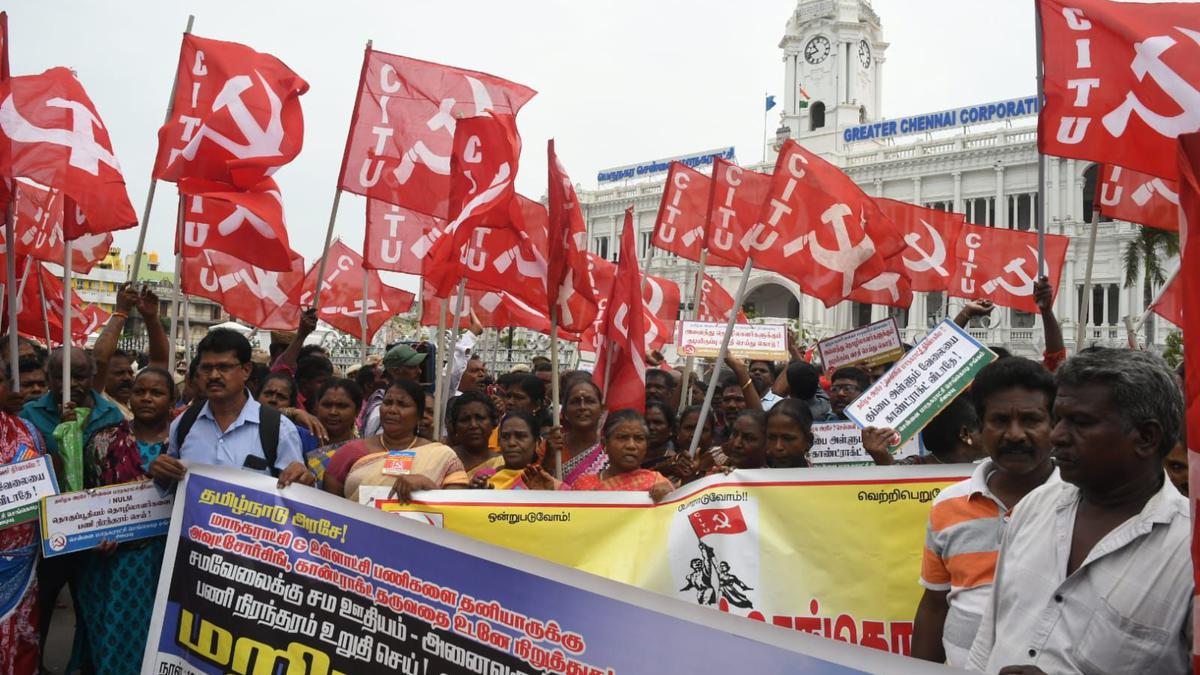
[(265, 299), (51, 133), (569, 289), (1169, 304), (1140, 198), (40, 214), (1002, 265), (397, 238), (717, 521), (738, 196), (890, 289), (683, 212), (621, 362), (483, 167), (716, 303), (33, 315), (1122, 81), (246, 224), (660, 307), (818, 228), (4, 65), (928, 236), (343, 300), (1188, 158), (492, 307), (236, 115), (402, 128)]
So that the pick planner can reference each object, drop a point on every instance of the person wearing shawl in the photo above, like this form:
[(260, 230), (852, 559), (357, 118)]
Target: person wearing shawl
[(625, 445), (519, 439), (577, 446)]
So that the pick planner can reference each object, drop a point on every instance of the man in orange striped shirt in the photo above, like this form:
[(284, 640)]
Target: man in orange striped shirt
[(1014, 398)]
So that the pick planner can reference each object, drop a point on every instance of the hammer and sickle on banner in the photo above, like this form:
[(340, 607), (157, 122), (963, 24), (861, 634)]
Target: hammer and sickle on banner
[(1148, 61)]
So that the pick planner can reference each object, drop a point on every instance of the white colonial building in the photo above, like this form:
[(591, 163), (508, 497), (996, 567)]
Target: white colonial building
[(833, 53)]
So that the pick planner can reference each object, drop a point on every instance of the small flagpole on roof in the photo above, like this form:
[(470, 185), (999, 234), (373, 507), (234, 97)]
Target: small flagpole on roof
[(137, 255)]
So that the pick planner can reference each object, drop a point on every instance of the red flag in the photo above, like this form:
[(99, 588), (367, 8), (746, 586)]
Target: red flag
[(342, 294), (1139, 198), (928, 236), (683, 212), (716, 303), (717, 521), (624, 343), (51, 133), (1169, 304), (1188, 157), (568, 283), (402, 130), (39, 230), (891, 289), (248, 225), (738, 196), (33, 314), (660, 297), (493, 308), (236, 117), (815, 228), (1001, 265), (1120, 81), (395, 236), (262, 298)]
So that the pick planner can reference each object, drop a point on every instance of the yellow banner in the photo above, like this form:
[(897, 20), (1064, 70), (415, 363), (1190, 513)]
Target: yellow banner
[(834, 552)]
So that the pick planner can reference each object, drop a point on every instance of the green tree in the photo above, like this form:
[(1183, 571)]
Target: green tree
[(1173, 354), (1145, 257)]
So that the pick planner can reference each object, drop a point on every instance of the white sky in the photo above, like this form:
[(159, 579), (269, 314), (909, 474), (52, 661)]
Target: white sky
[(619, 81)]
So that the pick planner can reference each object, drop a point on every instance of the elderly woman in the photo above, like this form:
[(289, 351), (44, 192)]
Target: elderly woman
[(19, 545), (747, 444), (577, 447), (625, 445), (397, 456), (519, 439), (117, 584), (789, 434)]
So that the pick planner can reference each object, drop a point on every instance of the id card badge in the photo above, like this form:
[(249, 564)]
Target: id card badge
[(399, 462)]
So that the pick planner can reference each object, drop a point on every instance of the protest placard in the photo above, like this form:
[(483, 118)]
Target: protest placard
[(76, 521), (840, 444), (866, 347), (257, 579), (922, 382), (749, 341), (22, 486)]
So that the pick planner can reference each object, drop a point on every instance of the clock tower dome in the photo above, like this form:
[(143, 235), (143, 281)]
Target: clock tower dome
[(833, 54)]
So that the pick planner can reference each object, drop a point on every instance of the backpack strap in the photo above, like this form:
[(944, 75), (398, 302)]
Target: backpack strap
[(186, 420), (269, 420)]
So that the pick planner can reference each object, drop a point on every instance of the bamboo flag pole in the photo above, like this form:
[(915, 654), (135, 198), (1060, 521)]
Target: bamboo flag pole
[(555, 406), (1040, 211), (45, 315), (68, 247), (177, 286), (439, 407), (10, 287), (362, 318), (716, 372), (1086, 305), (697, 299), (137, 256)]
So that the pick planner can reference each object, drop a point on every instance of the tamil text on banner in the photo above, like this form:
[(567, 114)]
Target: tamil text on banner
[(749, 341), (22, 486), (76, 521), (871, 345), (840, 444), (259, 580), (922, 383), (834, 552)]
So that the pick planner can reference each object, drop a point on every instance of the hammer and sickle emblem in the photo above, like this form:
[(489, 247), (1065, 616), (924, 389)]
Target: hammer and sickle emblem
[(1017, 267), (1148, 61), (930, 260)]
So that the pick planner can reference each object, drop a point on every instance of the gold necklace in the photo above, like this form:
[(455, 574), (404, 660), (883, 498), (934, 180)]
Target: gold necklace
[(386, 448)]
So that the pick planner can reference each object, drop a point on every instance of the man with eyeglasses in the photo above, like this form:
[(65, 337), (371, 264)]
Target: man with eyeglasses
[(848, 383), (230, 428)]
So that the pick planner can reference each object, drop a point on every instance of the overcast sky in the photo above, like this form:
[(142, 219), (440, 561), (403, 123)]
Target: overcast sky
[(619, 81)]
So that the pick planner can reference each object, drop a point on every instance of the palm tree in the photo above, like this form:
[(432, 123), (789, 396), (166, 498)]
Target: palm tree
[(1145, 256)]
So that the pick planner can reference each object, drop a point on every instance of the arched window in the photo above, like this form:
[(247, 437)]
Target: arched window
[(816, 116), (1090, 176)]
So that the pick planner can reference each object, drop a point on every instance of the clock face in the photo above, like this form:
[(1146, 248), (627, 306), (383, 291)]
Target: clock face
[(817, 49), (864, 54)]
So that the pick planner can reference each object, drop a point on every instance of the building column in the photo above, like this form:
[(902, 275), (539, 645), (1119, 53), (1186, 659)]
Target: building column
[(1074, 200), (1052, 199), (917, 190), (1001, 201), (791, 93), (958, 205), (878, 187)]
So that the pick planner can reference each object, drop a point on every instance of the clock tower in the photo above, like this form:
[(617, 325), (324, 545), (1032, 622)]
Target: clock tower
[(833, 54)]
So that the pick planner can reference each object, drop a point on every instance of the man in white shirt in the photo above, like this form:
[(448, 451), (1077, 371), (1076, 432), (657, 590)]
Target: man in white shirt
[(1095, 573)]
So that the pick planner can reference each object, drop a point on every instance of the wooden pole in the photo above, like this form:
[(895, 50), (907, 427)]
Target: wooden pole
[(716, 373), (555, 405), (45, 311), (66, 341), (439, 407), (362, 318), (177, 287), (1040, 211), (698, 297), (1086, 305), (137, 256), (10, 287)]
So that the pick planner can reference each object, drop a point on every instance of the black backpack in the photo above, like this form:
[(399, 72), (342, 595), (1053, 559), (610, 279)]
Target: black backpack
[(268, 431)]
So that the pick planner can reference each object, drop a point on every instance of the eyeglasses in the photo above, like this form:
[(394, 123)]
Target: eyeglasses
[(223, 368), (845, 388)]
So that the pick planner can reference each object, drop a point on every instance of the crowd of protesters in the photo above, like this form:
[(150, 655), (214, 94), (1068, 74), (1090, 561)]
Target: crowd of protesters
[(1068, 547)]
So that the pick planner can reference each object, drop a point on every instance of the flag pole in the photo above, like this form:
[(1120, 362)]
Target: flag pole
[(187, 326), (362, 318), (1041, 95), (45, 314), (10, 287), (555, 408), (1086, 305), (1137, 327), (177, 286), (766, 111), (697, 298), (66, 339), (453, 346), (137, 255), (716, 373), (438, 371)]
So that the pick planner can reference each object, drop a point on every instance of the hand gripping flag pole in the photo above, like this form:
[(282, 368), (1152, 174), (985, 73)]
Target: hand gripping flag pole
[(716, 372)]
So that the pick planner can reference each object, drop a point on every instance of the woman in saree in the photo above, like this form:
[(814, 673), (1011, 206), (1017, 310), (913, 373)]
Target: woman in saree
[(577, 447), (472, 420), (19, 546), (789, 434), (396, 457), (118, 582), (625, 445), (519, 440), (747, 444), (338, 402)]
